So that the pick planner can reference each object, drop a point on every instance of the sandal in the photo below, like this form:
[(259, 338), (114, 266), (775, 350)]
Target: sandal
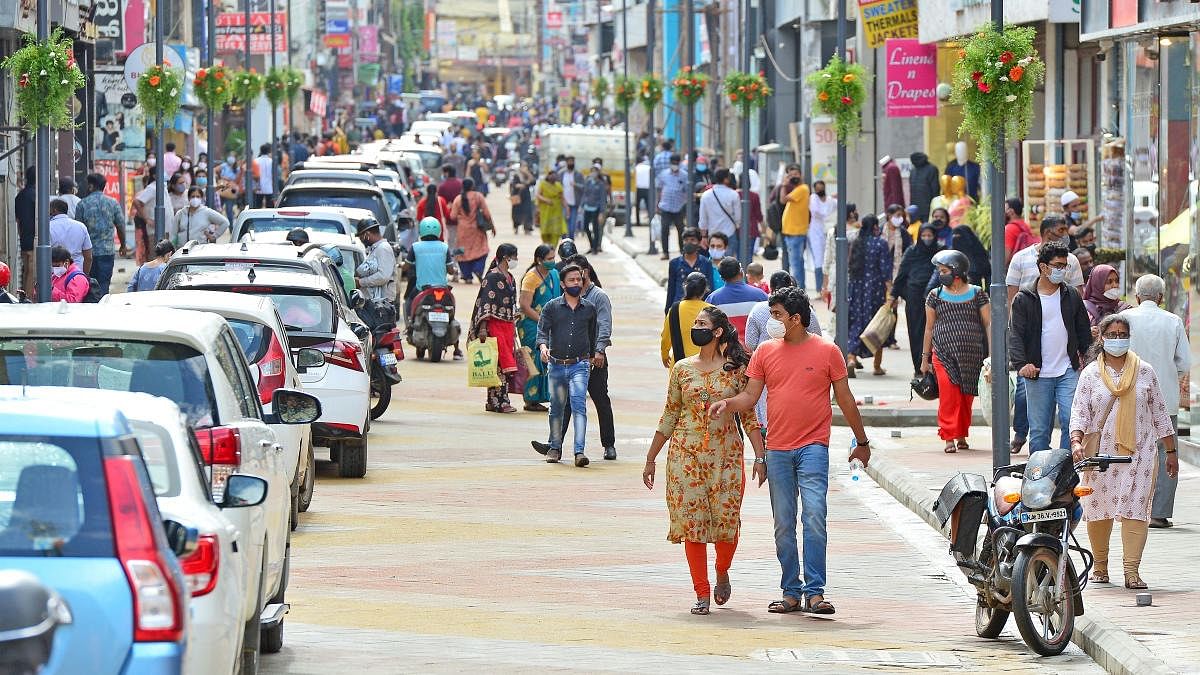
[(1016, 445), (951, 448), (701, 607), (1134, 582), (783, 606), (722, 591), (822, 606), (1099, 578), (962, 445), (536, 407), (879, 372)]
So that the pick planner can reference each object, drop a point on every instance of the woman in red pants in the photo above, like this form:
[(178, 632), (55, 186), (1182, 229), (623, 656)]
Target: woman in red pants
[(957, 321)]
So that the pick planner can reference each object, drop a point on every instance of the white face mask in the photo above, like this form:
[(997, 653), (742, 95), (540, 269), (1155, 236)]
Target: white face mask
[(897, 220), (195, 202), (1113, 294), (776, 329), (58, 271), (1116, 346), (716, 253)]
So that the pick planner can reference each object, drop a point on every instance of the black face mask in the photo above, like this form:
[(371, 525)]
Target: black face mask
[(573, 291), (945, 279), (820, 193), (702, 336), (690, 248)]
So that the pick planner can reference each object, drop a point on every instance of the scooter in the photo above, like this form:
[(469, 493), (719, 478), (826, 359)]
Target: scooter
[(32, 613), (385, 370), (1023, 565), (431, 324)]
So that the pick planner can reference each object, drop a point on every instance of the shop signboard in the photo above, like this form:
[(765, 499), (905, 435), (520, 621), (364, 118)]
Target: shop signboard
[(554, 20), (231, 32), (120, 123), (886, 19), (822, 147), (911, 78)]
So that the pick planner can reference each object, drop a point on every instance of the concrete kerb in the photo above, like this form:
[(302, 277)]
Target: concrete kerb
[(1110, 647), (635, 247)]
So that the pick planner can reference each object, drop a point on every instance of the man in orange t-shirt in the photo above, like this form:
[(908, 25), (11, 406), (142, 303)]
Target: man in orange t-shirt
[(799, 369)]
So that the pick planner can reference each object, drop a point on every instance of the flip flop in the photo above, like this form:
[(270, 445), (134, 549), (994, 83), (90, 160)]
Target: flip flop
[(1134, 582), (950, 449), (783, 606), (822, 607), (701, 607), (962, 445), (722, 591)]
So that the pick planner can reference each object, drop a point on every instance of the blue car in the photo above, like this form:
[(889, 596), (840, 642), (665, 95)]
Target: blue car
[(77, 510)]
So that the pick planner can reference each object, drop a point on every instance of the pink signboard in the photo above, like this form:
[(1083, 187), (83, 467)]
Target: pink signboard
[(911, 78)]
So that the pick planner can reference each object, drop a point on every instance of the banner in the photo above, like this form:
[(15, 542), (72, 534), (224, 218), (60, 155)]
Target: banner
[(884, 19), (822, 147), (231, 32), (911, 79), (120, 123)]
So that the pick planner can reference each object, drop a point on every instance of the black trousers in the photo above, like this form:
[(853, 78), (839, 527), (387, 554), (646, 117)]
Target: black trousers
[(593, 227), (643, 197), (914, 315), (669, 219), (598, 392)]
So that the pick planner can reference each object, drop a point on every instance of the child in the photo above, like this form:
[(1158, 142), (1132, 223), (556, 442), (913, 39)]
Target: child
[(754, 277)]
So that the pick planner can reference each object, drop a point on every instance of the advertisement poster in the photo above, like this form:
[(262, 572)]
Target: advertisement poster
[(231, 32), (911, 79), (120, 123), (886, 19), (822, 147)]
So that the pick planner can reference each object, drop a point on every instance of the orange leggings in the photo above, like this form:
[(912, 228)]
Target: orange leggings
[(697, 558)]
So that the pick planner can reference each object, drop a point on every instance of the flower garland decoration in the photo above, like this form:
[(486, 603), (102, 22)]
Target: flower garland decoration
[(747, 91), (213, 88), (624, 92), (994, 81), (158, 92), (600, 88), (247, 85), (650, 92), (690, 85), (275, 86), (295, 80), (841, 89), (47, 77)]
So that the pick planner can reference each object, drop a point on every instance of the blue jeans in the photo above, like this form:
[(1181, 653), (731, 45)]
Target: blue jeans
[(803, 471), (1042, 395), (796, 243), (102, 271), (568, 396), (1020, 411), (572, 221)]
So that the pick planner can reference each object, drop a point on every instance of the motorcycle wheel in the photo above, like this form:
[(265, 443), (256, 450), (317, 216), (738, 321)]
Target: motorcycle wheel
[(381, 395), (1045, 626), (437, 347), (420, 353), (989, 621)]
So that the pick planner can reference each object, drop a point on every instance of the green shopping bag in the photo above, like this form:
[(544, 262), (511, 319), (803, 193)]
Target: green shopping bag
[(483, 363)]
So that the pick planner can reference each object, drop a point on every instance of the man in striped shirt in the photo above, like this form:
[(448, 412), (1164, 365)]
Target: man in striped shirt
[(736, 298)]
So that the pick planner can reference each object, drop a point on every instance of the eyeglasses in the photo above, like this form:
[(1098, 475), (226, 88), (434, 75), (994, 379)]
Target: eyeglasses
[(1057, 266), (1116, 336)]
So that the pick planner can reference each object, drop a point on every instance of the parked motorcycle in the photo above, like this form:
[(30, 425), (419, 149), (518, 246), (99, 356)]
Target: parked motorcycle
[(32, 613), (431, 325), (385, 370), (1023, 565)]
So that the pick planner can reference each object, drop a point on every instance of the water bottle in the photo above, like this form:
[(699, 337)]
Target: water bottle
[(856, 470)]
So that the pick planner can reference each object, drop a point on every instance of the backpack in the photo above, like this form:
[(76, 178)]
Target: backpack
[(1025, 239), (93, 294)]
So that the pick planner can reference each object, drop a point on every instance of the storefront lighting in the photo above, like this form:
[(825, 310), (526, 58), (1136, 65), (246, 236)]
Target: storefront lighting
[(1166, 41)]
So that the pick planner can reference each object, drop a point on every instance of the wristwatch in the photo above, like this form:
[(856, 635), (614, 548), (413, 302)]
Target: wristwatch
[(861, 443), (760, 460)]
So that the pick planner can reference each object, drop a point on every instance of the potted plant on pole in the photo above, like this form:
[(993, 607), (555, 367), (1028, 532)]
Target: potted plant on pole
[(47, 77), (994, 81)]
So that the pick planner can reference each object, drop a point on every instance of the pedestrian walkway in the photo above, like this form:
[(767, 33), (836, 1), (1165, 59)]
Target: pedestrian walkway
[(1165, 636)]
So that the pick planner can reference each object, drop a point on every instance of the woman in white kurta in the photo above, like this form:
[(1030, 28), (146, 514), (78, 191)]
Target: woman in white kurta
[(1131, 425)]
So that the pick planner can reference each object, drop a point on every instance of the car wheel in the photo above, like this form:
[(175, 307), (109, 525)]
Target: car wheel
[(271, 639), (310, 480), (352, 458), (252, 635)]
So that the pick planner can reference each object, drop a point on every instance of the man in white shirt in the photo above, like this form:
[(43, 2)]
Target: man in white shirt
[(66, 192), (822, 213), (721, 210), (572, 182), (71, 235), (264, 189), (641, 179), (1159, 338), (171, 161)]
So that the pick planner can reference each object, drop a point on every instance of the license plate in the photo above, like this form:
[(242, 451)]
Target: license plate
[(237, 266), (439, 317), (1039, 516), (387, 359)]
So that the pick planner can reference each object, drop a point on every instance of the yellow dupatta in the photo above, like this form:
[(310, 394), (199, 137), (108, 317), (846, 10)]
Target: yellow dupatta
[(1125, 391)]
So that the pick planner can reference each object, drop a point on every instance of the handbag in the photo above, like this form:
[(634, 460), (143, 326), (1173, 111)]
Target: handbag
[(1091, 439), (481, 219), (879, 329), (516, 382)]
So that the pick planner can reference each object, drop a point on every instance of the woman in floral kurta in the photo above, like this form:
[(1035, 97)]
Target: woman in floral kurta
[(1124, 491), (705, 473)]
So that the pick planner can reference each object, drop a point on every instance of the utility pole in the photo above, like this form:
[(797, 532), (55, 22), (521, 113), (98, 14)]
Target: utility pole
[(274, 108), (749, 36), (651, 46), (689, 123), (160, 192), (210, 191), (841, 250), (248, 107), (999, 294), (629, 205), (42, 159)]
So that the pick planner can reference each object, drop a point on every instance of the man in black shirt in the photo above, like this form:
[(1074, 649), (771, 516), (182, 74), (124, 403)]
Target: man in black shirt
[(26, 212), (567, 341)]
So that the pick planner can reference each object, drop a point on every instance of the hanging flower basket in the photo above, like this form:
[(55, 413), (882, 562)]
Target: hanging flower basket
[(840, 90), (994, 81), (600, 89), (158, 91), (247, 85), (47, 77), (650, 92), (625, 91), (690, 85), (213, 87), (275, 86), (295, 80), (747, 91)]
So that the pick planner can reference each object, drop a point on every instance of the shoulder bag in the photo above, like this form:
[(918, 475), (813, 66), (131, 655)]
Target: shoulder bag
[(481, 219), (1091, 439), (676, 333)]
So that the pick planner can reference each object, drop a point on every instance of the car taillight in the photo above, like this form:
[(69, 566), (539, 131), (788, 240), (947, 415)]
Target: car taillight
[(157, 601), (345, 354), (200, 568), (270, 370), (221, 448)]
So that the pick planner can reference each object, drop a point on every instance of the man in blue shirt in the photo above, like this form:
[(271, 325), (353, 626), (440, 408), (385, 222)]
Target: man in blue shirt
[(673, 194), (689, 261), (736, 298)]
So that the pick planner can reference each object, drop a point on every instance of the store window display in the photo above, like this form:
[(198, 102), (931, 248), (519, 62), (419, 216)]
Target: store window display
[(962, 165)]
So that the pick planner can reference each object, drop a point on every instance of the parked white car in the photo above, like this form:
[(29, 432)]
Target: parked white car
[(193, 359)]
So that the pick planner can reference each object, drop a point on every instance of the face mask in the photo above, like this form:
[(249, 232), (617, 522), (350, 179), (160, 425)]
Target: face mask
[(1116, 346), (1065, 240), (701, 168), (674, 168), (1057, 275), (702, 336), (945, 279), (716, 253), (230, 159), (202, 165), (58, 271), (151, 162), (1113, 294), (897, 220), (573, 291), (195, 202), (185, 166), (820, 193), (202, 181), (776, 329), (178, 188), (928, 241), (690, 248), (548, 264)]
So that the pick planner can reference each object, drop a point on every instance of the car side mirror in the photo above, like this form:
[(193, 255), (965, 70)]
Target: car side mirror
[(307, 357), (290, 406), (181, 539), (242, 490)]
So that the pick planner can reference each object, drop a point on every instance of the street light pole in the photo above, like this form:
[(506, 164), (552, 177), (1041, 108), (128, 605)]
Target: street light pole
[(42, 159), (274, 108), (841, 249), (652, 198), (210, 191), (749, 36), (689, 124), (625, 76), (247, 108), (1001, 455), (160, 192)]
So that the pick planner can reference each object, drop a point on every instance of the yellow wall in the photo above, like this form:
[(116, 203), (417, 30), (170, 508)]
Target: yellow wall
[(941, 132)]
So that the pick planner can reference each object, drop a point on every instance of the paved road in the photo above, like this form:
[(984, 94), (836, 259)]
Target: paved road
[(461, 550)]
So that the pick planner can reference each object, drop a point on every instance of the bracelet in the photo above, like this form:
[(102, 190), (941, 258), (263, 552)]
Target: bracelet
[(649, 461), (1171, 452)]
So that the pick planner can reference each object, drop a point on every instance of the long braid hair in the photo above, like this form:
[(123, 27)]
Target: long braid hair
[(728, 345)]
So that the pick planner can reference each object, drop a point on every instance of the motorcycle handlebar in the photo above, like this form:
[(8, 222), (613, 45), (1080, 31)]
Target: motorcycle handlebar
[(1103, 461)]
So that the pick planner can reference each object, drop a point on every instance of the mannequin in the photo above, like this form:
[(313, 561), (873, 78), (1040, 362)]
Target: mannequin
[(961, 165), (922, 184), (942, 201), (893, 185), (960, 201)]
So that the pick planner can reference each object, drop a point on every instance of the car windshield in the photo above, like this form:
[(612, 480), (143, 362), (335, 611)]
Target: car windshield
[(430, 160), (393, 200), (176, 372), (175, 271), (253, 338), (335, 198), (288, 224), (53, 499), (309, 313)]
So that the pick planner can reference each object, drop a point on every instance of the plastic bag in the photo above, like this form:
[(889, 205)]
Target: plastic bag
[(483, 363), (985, 391)]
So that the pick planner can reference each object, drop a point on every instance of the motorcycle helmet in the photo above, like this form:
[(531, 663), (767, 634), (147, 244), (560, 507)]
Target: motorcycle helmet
[(770, 252), (925, 386), (5, 275), (956, 260), (567, 249), (298, 236), (429, 226), (334, 253)]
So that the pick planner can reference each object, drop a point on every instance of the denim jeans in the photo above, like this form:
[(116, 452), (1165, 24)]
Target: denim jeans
[(803, 471), (573, 221), (1163, 505), (796, 243), (1020, 411), (568, 396), (1042, 395), (102, 271)]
